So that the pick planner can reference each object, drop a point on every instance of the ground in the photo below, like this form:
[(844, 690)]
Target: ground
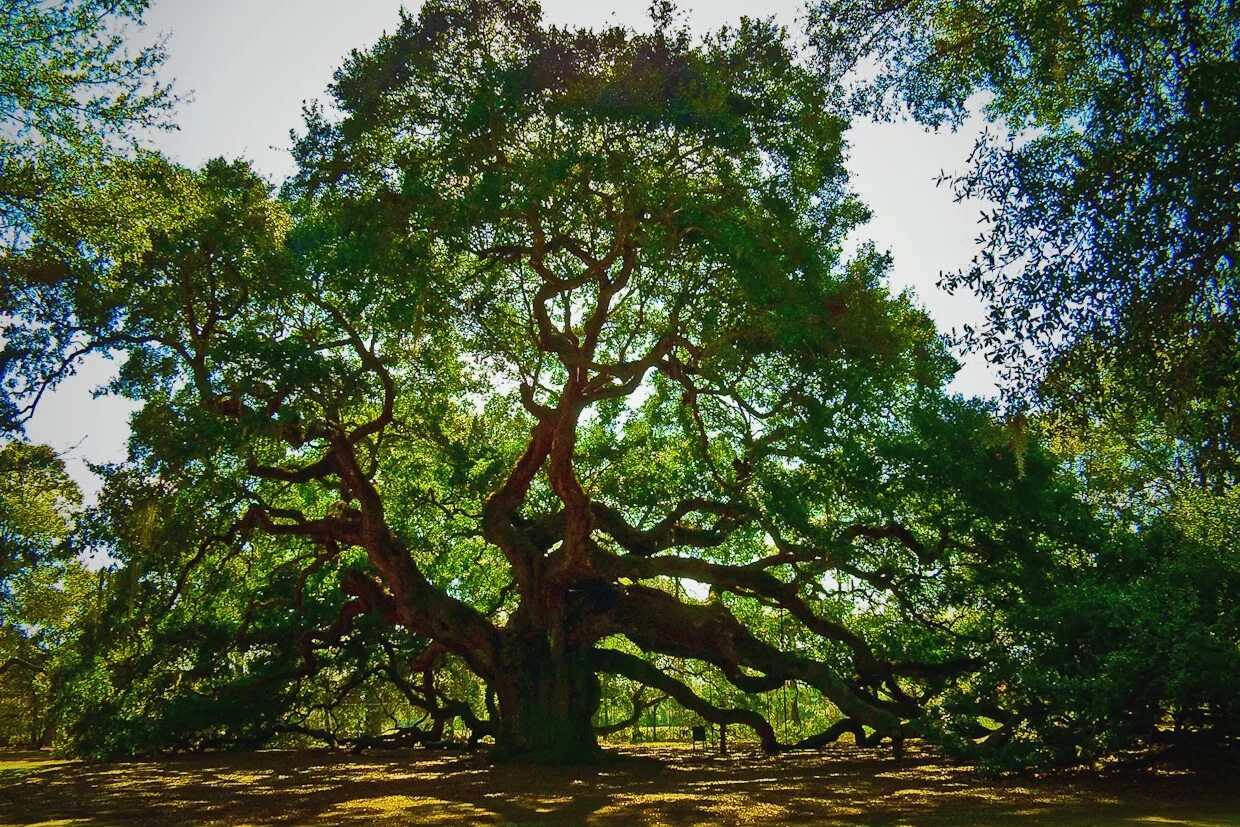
[(661, 784)]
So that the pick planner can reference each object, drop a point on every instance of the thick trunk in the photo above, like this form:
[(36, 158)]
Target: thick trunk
[(546, 705)]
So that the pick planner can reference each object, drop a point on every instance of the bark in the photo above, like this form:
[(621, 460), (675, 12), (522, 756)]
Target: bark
[(546, 704), (658, 622), (620, 663)]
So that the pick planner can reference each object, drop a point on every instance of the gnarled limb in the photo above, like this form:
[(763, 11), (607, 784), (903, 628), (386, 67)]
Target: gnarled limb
[(657, 622), (640, 706), (644, 672), (834, 732), (670, 532)]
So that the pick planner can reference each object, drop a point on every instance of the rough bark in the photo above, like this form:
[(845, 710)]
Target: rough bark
[(546, 705)]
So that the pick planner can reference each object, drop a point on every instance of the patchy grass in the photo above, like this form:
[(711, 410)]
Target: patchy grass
[(658, 784), (15, 766)]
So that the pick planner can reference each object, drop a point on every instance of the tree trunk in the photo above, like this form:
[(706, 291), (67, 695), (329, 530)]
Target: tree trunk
[(546, 705)]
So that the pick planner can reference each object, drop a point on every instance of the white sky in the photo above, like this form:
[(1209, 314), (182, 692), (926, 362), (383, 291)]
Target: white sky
[(247, 65)]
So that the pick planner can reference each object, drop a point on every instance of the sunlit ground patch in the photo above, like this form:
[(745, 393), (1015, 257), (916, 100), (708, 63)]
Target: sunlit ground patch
[(15, 766), (400, 809)]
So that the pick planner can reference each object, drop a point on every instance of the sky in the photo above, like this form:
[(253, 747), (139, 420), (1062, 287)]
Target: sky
[(245, 68)]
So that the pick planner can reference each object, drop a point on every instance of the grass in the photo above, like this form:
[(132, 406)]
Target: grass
[(653, 784)]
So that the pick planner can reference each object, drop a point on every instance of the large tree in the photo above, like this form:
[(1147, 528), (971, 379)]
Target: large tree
[(550, 325)]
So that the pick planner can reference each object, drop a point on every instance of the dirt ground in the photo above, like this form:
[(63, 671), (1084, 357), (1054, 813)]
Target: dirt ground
[(666, 784)]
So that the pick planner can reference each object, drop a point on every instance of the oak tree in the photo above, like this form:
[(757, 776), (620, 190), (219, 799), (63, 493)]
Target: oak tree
[(550, 326)]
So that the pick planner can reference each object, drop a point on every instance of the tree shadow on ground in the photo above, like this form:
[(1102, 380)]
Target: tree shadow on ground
[(841, 785)]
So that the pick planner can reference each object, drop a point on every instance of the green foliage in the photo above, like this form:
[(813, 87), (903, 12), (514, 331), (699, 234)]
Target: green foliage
[(36, 498), (1108, 260), (1131, 644), (42, 587), (73, 98), (1108, 264)]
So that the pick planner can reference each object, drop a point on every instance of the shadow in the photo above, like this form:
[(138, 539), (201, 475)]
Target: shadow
[(666, 784)]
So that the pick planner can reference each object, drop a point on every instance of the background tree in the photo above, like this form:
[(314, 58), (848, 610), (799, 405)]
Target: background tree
[(1108, 263), (41, 586), (74, 101), (73, 92), (1134, 646), (1108, 260)]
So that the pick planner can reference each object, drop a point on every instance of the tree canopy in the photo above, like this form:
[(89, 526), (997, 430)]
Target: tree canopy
[(554, 377), (563, 319)]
